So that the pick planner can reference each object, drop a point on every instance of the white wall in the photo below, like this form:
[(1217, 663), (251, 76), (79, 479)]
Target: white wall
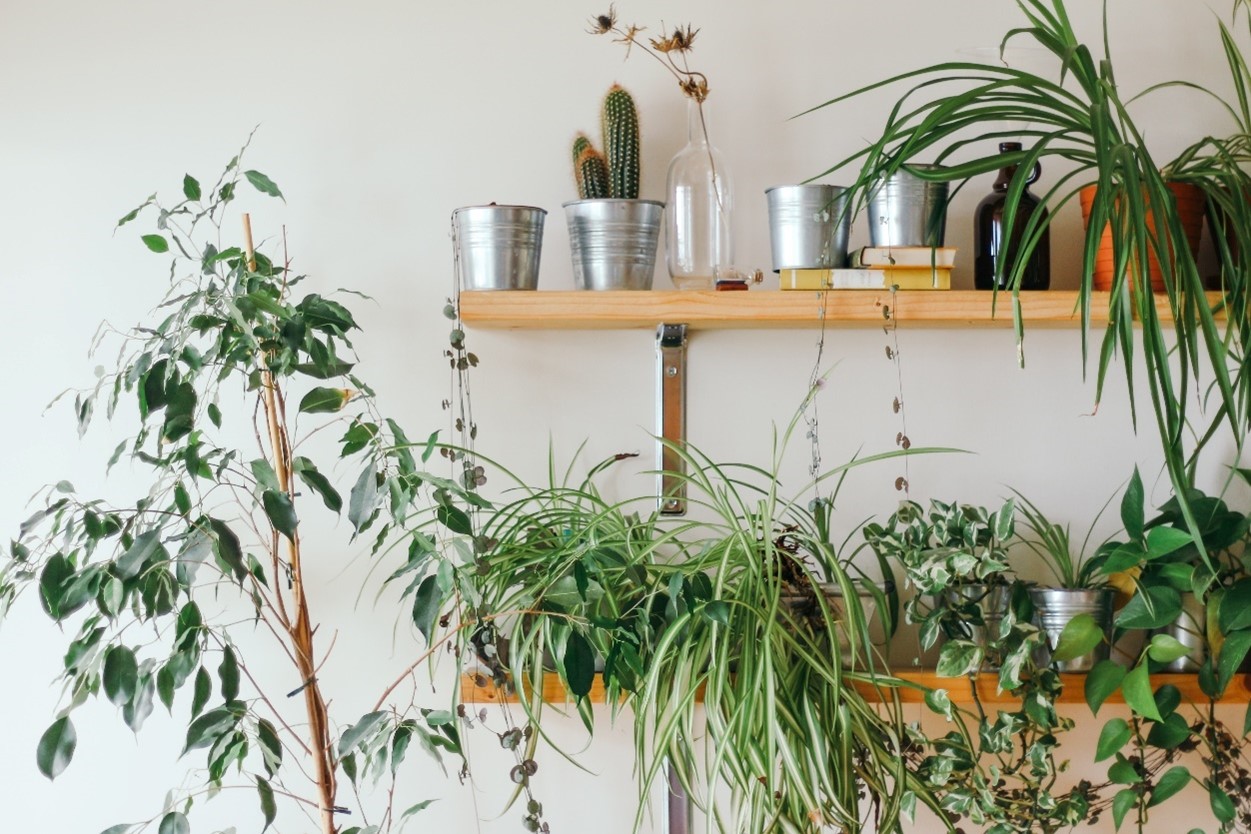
[(377, 119)]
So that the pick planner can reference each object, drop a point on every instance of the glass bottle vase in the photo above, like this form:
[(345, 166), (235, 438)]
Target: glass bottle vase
[(997, 247), (699, 209)]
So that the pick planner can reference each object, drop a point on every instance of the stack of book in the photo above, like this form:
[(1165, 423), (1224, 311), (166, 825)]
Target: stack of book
[(879, 267)]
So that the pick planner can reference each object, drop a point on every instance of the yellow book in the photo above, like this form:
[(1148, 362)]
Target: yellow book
[(906, 278), (871, 257)]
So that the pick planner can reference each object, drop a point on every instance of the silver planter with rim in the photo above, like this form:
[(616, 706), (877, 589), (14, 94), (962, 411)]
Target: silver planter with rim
[(1054, 608), (804, 606), (993, 600), (498, 247), (808, 226), (613, 243), (905, 210), (1190, 630)]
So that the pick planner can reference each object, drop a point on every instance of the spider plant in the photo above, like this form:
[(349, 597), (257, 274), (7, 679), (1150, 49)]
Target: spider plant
[(1073, 568), (786, 730), (729, 686), (1083, 117)]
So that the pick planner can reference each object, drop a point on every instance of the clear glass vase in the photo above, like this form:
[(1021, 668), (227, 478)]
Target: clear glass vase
[(699, 210)]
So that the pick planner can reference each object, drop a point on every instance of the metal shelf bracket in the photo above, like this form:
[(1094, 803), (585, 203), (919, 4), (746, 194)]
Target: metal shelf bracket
[(671, 417)]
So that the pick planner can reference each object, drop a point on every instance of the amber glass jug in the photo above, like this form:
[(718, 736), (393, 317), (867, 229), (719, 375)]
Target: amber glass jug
[(992, 242)]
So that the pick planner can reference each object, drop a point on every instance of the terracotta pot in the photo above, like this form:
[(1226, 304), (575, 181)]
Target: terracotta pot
[(1191, 205)]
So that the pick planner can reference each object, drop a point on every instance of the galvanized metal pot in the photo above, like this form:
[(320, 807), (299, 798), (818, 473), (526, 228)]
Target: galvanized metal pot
[(1055, 607), (498, 247), (805, 606), (993, 600), (808, 226), (1189, 629), (905, 210), (613, 243)]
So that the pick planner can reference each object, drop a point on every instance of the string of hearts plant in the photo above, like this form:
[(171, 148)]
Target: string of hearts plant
[(212, 567)]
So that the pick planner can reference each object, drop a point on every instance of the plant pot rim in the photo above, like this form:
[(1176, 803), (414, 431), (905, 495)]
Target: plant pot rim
[(612, 200)]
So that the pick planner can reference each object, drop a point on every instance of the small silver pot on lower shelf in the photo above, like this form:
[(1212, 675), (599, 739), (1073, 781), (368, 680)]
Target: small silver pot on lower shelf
[(1054, 608)]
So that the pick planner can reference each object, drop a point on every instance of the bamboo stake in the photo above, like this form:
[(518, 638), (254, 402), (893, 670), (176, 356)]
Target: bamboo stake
[(300, 631)]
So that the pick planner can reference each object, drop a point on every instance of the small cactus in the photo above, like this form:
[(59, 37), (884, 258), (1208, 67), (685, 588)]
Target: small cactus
[(621, 143), (591, 172), (615, 172)]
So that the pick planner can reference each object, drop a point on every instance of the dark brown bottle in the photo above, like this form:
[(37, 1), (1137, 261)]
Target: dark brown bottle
[(991, 242)]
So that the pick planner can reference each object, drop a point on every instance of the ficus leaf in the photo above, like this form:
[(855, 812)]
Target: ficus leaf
[(318, 482), (121, 673), (426, 603), (280, 511), (262, 183), (269, 809), (228, 674), (359, 731), (157, 243), (174, 823), (363, 498), (324, 400), (190, 187), (56, 747)]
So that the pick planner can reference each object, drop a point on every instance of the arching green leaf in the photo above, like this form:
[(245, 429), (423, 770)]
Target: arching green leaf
[(56, 747)]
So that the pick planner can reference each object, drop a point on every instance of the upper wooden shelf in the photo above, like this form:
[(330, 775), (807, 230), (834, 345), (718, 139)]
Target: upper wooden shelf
[(477, 690), (766, 309)]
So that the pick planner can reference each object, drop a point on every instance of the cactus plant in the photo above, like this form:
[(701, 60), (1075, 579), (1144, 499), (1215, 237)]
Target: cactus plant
[(590, 169), (615, 172), (621, 143)]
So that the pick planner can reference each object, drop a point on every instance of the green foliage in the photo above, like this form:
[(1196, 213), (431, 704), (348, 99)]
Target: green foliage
[(221, 523), (1079, 116), (614, 173), (621, 143)]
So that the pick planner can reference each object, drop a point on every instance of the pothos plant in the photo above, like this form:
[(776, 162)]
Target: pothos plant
[(1162, 563), (999, 769), (170, 596)]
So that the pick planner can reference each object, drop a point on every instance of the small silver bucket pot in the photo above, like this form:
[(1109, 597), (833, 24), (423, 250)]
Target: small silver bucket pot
[(1055, 607), (808, 226), (993, 601), (1190, 630), (805, 608), (498, 247), (906, 210), (613, 243)]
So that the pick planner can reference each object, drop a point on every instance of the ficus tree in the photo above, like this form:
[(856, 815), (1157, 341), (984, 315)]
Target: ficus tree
[(238, 370)]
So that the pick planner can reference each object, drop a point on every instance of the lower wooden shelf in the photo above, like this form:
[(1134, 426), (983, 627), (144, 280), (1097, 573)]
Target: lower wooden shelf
[(478, 689)]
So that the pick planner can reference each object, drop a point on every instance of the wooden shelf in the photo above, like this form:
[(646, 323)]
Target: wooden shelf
[(960, 689), (764, 309)]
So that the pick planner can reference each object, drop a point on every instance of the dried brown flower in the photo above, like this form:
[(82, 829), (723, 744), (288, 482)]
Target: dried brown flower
[(604, 23), (681, 40)]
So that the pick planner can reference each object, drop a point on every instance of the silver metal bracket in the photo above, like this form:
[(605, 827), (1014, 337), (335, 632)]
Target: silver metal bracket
[(671, 417)]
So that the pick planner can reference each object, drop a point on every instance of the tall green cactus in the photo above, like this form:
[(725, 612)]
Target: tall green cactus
[(614, 173), (621, 143)]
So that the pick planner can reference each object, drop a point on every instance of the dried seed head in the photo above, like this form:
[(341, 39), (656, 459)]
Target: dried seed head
[(604, 23)]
